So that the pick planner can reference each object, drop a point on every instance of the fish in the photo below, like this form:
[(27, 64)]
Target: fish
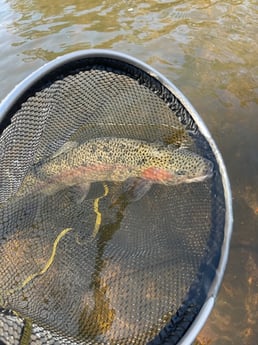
[(137, 163)]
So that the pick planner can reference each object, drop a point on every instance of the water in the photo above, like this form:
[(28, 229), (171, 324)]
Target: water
[(209, 50)]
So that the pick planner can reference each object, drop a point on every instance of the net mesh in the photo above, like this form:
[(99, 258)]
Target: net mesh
[(103, 270)]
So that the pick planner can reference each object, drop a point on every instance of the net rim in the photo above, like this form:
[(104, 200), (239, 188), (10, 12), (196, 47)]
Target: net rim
[(9, 101)]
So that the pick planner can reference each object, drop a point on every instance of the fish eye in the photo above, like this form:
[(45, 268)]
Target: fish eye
[(181, 172)]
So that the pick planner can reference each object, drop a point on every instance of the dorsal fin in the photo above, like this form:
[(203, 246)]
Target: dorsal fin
[(68, 146)]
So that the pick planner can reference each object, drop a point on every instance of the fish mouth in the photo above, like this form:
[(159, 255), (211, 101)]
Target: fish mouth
[(208, 170), (206, 173), (198, 178)]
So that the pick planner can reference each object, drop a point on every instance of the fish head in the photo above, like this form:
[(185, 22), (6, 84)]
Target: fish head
[(171, 167), (188, 166)]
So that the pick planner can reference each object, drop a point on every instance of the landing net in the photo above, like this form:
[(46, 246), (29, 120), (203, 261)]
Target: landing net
[(99, 266)]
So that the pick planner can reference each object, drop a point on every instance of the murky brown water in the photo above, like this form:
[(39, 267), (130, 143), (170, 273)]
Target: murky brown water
[(209, 50)]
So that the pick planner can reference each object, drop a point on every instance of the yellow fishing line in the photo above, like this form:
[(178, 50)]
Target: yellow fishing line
[(46, 267), (96, 210), (26, 333), (50, 260)]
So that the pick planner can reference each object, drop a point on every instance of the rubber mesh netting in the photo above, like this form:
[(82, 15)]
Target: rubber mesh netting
[(103, 270)]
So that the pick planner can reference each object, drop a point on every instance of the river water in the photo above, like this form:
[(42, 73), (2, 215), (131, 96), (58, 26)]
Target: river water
[(209, 50)]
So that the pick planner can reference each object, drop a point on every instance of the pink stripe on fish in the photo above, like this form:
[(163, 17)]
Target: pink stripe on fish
[(156, 174)]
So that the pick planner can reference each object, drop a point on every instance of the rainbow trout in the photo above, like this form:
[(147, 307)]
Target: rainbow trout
[(139, 163)]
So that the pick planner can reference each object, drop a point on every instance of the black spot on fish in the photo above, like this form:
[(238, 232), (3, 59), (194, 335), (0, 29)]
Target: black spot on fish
[(142, 161), (181, 172), (122, 146), (105, 149), (93, 148)]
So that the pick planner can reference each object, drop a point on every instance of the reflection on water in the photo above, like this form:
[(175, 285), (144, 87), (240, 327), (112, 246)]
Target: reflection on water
[(209, 49)]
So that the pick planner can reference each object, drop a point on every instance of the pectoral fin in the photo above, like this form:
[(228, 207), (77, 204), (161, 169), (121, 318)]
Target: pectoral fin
[(78, 193), (136, 188)]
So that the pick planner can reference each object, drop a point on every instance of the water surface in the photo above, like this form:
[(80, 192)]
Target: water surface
[(209, 50)]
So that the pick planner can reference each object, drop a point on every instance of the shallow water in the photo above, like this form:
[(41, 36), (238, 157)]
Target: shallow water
[(209, 50)]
